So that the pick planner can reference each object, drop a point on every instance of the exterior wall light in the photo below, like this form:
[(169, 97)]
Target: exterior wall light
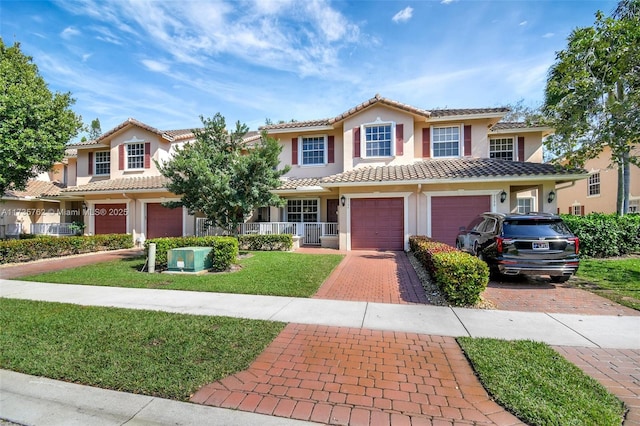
[(552, 196), (343, 200), (503, 196)]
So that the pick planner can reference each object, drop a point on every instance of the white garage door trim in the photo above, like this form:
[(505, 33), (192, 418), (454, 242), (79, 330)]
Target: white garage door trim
[(403, 195), (494, 193)]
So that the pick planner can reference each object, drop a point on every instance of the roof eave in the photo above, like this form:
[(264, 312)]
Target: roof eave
[(459, 117), (301, 129), (116, 191), (544, 130), (506, 178)]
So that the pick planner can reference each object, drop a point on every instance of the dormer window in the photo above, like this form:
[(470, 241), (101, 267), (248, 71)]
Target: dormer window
[(314, 150), (377, 138)]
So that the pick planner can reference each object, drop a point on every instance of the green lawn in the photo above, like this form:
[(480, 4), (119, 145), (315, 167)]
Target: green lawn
[(615, 279), (539, 386), (145, 352), (263, 273)]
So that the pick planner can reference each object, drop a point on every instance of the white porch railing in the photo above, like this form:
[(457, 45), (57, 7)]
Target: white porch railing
[(311, 232), (52, 229)]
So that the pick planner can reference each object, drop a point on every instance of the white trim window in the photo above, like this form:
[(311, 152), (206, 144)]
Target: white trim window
[(501, 148), (525, 205), (576, 210), (634, 206), (102, 163), (303, 210), (378, 139), (594, 184), (313, 150), (445, 141), (135, 156)]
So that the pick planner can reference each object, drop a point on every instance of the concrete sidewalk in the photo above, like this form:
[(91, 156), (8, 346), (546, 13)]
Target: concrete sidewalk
[(555, 329)]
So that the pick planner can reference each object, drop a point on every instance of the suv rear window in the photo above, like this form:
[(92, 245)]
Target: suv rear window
[(535, 228)]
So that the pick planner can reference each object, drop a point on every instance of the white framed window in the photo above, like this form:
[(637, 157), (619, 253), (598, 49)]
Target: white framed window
[(378, 139), (525, 205), (135, 156), (634, 206), (594, 184), (501, 148), (576, 210), (313, 150), (102, 162), (446, 141), (303, 210)]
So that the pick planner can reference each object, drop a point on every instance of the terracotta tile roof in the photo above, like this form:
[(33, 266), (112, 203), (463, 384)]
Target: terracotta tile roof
[(289, 184), (36, 189), (377, 99), (515, 125), (448, 169), (122, 184), (467, 111)]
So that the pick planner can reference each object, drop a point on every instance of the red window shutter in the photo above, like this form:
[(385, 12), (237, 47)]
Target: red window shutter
[(90, 163), (399, 139), (467, 140), (121, 157), (331, 149), (520, 148), (147, 155), (356, 142), (426, 142), (581, 210), (570, 210), (294, 151)]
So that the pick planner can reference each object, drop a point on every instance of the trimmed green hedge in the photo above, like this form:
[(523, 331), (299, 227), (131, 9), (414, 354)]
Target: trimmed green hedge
[(255, 242), (223, 255), (605, 235), (42, 247), (461, 276)]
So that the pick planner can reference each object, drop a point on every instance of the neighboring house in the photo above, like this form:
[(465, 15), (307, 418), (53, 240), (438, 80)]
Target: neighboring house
[(599, 192), (38, 208), (365, 179)]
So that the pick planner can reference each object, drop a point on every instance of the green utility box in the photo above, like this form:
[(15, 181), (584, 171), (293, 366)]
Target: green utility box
[(189, 259)]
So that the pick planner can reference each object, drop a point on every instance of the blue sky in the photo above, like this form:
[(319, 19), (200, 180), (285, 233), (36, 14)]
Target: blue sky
[(166, 63)]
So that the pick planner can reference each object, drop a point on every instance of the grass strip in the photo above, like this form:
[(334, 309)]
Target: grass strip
[(145, 352), (615, 279), (538, 385), (262, 273)]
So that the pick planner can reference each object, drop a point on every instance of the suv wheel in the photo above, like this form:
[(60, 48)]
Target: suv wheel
[(559, 279)]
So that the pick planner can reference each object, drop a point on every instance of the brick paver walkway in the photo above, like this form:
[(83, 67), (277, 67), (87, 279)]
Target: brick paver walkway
[(539, 295), (369, 276), (344, 376)]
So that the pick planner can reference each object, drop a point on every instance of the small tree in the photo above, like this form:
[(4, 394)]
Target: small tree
[(95, 130), (221, 177), (35, 124)]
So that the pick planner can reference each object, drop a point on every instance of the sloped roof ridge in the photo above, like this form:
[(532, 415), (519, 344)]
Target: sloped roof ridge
[(379, 99)]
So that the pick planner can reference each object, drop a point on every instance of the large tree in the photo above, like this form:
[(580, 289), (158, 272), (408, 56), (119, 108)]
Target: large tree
[(222, 177), (592, 97), (35, 124)]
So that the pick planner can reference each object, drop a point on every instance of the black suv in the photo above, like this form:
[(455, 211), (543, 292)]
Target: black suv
[(531, 244)]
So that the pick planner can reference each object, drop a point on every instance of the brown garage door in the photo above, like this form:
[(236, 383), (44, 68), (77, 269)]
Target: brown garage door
[(111, 218), (448, 214), (377, 224), (163, 221)]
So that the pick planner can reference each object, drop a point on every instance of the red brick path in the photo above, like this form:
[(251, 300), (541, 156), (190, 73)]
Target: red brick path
[(345, 376), (369, 276)]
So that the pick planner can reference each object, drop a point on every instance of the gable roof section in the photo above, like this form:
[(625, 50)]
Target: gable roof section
[(140, 183), (437, 114), (35, 189), (453, 170)]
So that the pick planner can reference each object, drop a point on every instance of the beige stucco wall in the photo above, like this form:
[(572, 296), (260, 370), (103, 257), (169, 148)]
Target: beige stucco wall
[(313, 171), (606, 201)]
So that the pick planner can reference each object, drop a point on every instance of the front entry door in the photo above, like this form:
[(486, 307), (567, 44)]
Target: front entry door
[(332, 210)]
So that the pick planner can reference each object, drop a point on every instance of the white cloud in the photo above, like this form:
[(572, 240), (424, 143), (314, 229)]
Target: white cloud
[(447, 1), (404, 15), (548, 35), (155, 66), (69, 32), (86, 57), (523, 23)]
